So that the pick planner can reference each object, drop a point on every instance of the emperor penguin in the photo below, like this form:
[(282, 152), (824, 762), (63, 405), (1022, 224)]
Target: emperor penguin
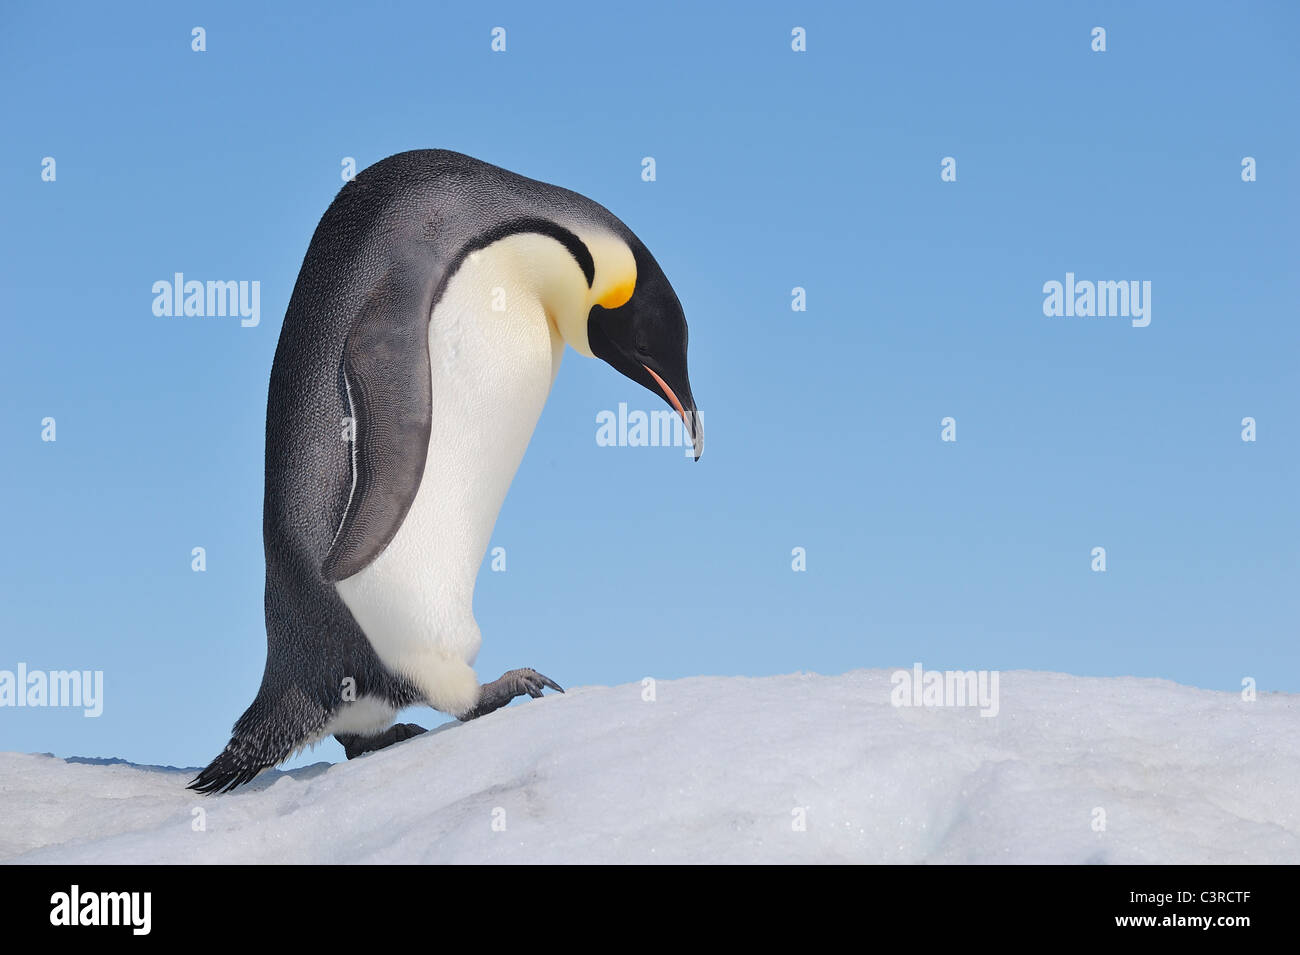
[(420, 344)]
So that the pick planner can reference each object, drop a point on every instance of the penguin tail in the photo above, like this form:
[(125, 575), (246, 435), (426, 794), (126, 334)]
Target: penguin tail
[(263, 737), (230, 769)]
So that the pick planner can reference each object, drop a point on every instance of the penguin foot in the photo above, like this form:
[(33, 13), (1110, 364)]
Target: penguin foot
[(512, 683), (355, 745)]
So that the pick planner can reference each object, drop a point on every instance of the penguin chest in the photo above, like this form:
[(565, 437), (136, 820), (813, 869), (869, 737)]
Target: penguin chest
[(493, 356)]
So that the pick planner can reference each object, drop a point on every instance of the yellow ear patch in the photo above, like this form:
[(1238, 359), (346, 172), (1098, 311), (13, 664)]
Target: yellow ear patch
[(617, 295)]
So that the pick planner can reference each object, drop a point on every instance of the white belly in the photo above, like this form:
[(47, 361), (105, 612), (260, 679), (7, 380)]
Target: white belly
[(492, 372)]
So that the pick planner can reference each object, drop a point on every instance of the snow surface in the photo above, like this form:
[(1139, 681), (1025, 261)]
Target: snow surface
[(715, 769)]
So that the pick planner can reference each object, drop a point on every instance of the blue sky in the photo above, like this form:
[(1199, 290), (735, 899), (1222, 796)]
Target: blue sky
[(775, 169)]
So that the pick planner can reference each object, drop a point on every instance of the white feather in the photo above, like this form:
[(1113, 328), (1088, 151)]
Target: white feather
[(491, 374)]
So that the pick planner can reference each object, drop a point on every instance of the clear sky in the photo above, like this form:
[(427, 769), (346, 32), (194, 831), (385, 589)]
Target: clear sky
[(775, 169)]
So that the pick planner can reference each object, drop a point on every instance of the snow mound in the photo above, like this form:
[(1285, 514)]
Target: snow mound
[(800, 768)]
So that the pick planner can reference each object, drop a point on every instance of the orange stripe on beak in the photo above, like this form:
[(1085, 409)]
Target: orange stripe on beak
[(672, 398)]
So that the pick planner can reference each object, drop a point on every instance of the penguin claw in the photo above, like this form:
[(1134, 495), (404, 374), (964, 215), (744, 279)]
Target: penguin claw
[(552, 684), (355, 745), (405, 731), (513, 683), (533, 682)]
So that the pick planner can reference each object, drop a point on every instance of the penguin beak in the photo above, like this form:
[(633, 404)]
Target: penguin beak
[(690, 415)]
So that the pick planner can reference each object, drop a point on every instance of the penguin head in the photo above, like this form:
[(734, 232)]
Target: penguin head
[(639, 328)]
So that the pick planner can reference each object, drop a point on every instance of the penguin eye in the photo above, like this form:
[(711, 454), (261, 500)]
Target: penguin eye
[(643, 349)]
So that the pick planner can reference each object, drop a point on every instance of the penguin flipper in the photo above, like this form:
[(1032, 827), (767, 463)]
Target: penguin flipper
[(386, 373)]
